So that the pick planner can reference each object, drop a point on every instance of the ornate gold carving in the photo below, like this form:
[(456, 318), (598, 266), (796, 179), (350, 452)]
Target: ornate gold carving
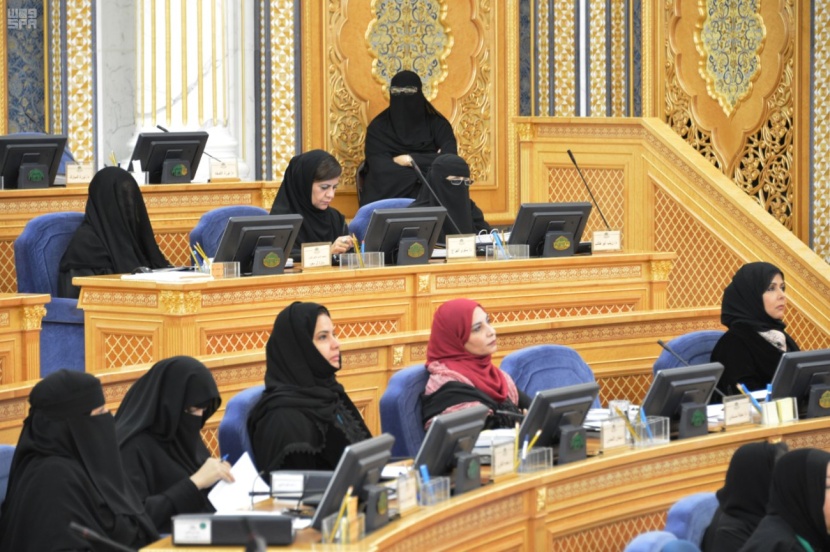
[(519, 314), (541, 499), (278, 104), (360, 359), (214, 299), (564, 101), (180, 302), (196, 199), (4, 318), (660, 270), (32, 317), (79, 79), (598, 46), (525, 276), (13, 409), (524, 131), (253, 373), (43, 206), (268, 197), (820, 117), (397, 355), (542, 62), (55, 112), (94, 297), (423, 282)]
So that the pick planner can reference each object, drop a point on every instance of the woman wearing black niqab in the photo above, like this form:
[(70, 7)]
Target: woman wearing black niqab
[(410, 129), (450, 180), (159, 427), (797, 510), (67, 468), (753, 309), (116, 235), (304, 419)]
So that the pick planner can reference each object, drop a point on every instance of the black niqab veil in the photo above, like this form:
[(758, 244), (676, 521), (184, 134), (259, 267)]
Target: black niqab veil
[(408, 112), (294, 197), (156, 404), (116, 233)]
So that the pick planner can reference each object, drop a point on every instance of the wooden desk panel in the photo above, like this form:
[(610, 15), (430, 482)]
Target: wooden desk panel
[(20, 319)]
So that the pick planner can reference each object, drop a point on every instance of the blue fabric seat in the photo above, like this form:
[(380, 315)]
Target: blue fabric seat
[(6, 455), (400, 410), (543, 367), (208, 231), (651, 541), (360, 221), (37, 256), (233, 429), (693, 347), (689, 517)]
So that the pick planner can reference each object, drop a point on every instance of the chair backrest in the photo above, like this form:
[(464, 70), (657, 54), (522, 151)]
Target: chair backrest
[(39, 248), (360, 179), (233, 429), (689, 517), (6, 455), (543, 367), (208, 231), (400, 410), (651, 541), (360, 221), (693, 347)]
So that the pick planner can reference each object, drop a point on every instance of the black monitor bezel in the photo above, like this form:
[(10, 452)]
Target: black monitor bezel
[(447, 435), (795, 371), (151, 148), (526, 229), (243, 230), (381, 235), (13, 147), (671, 385), (550, 406)]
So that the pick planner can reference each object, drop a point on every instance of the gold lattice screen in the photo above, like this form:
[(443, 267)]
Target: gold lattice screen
[(607, 185)]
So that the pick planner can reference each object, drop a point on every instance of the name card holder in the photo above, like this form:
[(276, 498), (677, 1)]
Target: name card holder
[(316, 255), (224, 171), (607, 240), (79, 174), (736, 410), (461, 247)]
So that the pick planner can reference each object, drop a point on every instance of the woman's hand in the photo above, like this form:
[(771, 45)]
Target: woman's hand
[(212, 471), (341, 245), (404, 160)]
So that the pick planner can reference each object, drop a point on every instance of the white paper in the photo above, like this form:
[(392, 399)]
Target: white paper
[(227, 497)]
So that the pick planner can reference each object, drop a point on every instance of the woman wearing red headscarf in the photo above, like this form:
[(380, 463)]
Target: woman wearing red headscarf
[(461, 370)]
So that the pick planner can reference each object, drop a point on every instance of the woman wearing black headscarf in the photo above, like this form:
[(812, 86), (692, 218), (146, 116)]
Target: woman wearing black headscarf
[(753, 310), (409, 130), (307, 189), (798, 507), (116, 236), (742, 501), (66, 468), (304, 419), (159, 426), (449, 178)]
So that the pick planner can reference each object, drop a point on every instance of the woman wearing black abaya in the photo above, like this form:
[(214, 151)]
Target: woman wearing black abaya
[(304, 419), (798, 507), (307, 189), (116, 236), (753, 309), (410, 129), (66, 468), (450, 180), (159, 426), (742, 501)]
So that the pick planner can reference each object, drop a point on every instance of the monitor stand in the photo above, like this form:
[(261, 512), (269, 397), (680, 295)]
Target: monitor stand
[(818, 404), (412, 251), (176, 171), (693, 421), (572, 441), (558, 244), (33, 175), (377, 507), (467, 473), (268, 260)]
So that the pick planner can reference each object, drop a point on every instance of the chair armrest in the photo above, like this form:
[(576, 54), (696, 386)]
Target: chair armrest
[(61, 310)]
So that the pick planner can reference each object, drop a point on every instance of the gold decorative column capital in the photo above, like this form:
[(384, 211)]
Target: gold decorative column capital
[(660, 270), (524, 131), (397, 355), (268, 197), (180, 302), (423, 282), (32, 317)]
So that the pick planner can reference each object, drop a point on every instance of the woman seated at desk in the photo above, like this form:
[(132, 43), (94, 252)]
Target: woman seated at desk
[(461, 371), (159, 426), (304, 419), (307, 189), (115, 237)]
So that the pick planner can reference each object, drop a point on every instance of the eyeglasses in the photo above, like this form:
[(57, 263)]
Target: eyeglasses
[(406, 90), (459, 180)]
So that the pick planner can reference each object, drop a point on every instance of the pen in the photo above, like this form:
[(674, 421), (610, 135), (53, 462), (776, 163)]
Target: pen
[(336, 527), (225, 457), (535, 438), (645, 423), (744, 391), (524, 447), (196, 262), (499, 244), (769, 393), (516, 446), (628, 423), (424, 474)]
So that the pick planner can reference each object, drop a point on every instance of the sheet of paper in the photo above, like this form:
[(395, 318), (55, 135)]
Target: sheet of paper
[(227, 497)]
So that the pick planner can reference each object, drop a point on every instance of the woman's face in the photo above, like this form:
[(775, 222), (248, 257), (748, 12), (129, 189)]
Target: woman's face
[(482, 339), (775, 299), (326, 342), (827, 500), (322, 192)]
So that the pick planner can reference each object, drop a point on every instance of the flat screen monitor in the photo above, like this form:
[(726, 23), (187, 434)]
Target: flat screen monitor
[(798, 372), (41, 155), (535, 220), (152, 149), (359, 465), (672, 387), (447, 435), (553, 408), (243, 235), (387, 227)]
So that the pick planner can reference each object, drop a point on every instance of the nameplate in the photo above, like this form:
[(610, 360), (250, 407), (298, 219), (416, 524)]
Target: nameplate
[(769, 413), (407, 487), (223, 171), (192, 529), (79, 174), (787, 411), (606, 240), (461, 246), (736, 410), (612, 433), (289, 484), (316, 255), (502, 458)]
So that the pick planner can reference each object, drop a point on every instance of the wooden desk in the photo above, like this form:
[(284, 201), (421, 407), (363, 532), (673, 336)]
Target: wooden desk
[(20, 317), (599, 504), (131, 322)]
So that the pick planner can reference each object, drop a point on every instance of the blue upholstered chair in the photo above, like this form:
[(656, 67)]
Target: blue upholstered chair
[(208, 231), (6, 455), (37, 256), (693, 347), (689, 517), (543, 367), (360, 221), (233, 429), (652, 541), (400, 410)]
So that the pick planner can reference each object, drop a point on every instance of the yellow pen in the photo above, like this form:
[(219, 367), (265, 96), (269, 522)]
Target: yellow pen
[(339, 518), (516, 447), (113, 159), (535, 438), (628, 423), (356, 244)]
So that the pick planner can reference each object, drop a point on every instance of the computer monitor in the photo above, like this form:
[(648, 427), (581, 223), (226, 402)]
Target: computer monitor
[(672, 387), (243, 235), (387, 227), (797, 373), (170, 157), (38, 156), (360, 465), (447, 435), (552, 409), (535, 220)]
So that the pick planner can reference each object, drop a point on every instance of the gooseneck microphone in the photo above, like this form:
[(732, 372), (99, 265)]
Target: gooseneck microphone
[(161, 128), (426, 183), (673, 353), (88, 534), (590, 193)]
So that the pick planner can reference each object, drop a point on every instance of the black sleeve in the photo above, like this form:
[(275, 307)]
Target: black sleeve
[(478, 218), (524, 399)]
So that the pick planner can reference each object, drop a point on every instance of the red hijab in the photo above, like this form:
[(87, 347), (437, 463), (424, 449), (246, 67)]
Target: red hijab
[(451, 327)]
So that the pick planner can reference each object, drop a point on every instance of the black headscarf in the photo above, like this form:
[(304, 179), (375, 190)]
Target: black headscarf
[(299, 381), (294, 197), (116, 233), (156, 404), (743, 298), (746, 488)]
